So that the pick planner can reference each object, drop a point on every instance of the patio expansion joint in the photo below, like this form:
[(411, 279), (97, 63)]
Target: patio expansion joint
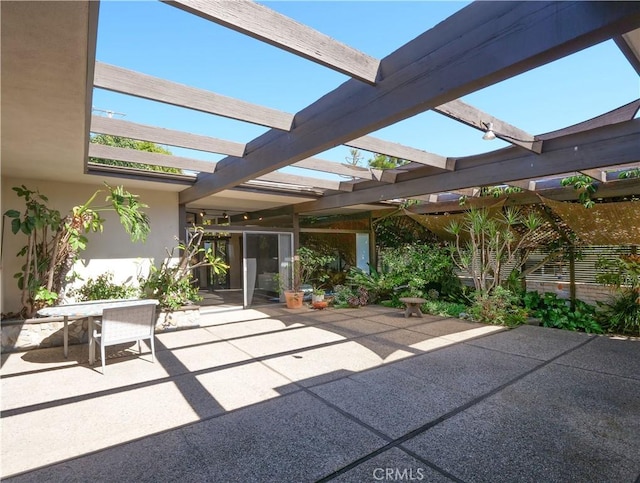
[(399, 442)]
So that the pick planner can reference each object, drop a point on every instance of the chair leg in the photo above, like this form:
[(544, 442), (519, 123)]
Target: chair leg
[(102, 356), (153, 349)]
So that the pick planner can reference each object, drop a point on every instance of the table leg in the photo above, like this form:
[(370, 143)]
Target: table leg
[(92, 342), (65, 337), (412, 309)]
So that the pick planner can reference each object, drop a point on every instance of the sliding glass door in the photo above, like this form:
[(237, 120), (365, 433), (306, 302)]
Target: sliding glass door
[(266, 265)]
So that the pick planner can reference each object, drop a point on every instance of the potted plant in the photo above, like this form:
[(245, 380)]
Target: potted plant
[(317, 295), (313, 271), (294, 295)]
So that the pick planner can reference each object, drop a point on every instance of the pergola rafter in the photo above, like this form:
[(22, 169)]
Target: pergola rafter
[(629, 45), (615, 144), (126, 81), (408, 84), (118, 127), (469, 115), (264, 24)]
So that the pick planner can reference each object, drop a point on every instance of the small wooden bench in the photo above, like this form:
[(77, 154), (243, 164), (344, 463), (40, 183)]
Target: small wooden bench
[(413, 305)]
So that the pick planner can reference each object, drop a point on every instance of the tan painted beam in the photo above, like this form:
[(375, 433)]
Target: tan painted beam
[(118, 127), (264, 24), (421, 75), (145, 86)]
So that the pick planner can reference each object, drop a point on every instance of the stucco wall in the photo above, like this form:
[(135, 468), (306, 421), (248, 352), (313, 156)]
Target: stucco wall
[(111, 250)]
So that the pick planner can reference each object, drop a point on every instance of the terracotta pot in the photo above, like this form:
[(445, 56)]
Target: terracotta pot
[(293, 299)]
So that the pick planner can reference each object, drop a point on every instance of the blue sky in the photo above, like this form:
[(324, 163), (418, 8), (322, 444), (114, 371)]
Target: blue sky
[(160, 40)]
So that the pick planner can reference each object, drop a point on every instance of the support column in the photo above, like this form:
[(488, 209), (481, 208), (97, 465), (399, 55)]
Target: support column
[(572, 277), (295, 218)]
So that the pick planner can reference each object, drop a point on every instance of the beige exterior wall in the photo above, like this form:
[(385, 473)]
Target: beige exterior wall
[(111, 250)]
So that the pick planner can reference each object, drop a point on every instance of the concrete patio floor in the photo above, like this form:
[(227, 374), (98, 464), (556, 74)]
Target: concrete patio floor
[(275, 395)]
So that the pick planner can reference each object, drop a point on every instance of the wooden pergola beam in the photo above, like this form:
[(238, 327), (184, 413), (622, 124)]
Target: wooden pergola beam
[(596, 174), (118, 79), (332, 167), (262, 23), (420, 76), (620, 114), (473, 117), (629, 45), (145, 157), (118, 127), (293, 179), (615, 144), (610, 189), (401, 151)]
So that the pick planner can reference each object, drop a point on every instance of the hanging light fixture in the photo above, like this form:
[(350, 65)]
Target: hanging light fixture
[(489, 135)]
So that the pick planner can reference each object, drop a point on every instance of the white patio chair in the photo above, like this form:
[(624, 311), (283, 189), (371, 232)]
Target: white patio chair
[(126, 324)]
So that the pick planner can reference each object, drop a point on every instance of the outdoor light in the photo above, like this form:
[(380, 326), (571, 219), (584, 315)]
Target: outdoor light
[(245, 216), (224, 215), (489, 135)]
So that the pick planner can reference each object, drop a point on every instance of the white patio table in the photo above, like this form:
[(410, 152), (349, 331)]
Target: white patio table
[(90, 310)]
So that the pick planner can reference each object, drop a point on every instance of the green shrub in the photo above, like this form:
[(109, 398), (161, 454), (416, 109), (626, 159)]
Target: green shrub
[(621, 315), (499, 307), (443, 308), (171, 292), (345, 296), (102, 287), (557, 313), (418, 269)]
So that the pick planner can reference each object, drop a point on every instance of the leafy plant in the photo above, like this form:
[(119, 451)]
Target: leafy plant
[(557, 313), (54, 242), (417, 268), (499, 307), (585, 186), (375, 283), (621, 315), (312, 267), (171, 283), (621, 271), (102, 287), (443, 308), (345, 296)]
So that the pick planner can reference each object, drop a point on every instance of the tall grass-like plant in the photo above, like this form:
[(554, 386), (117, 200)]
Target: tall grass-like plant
[(621, 315), (491, 243)]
